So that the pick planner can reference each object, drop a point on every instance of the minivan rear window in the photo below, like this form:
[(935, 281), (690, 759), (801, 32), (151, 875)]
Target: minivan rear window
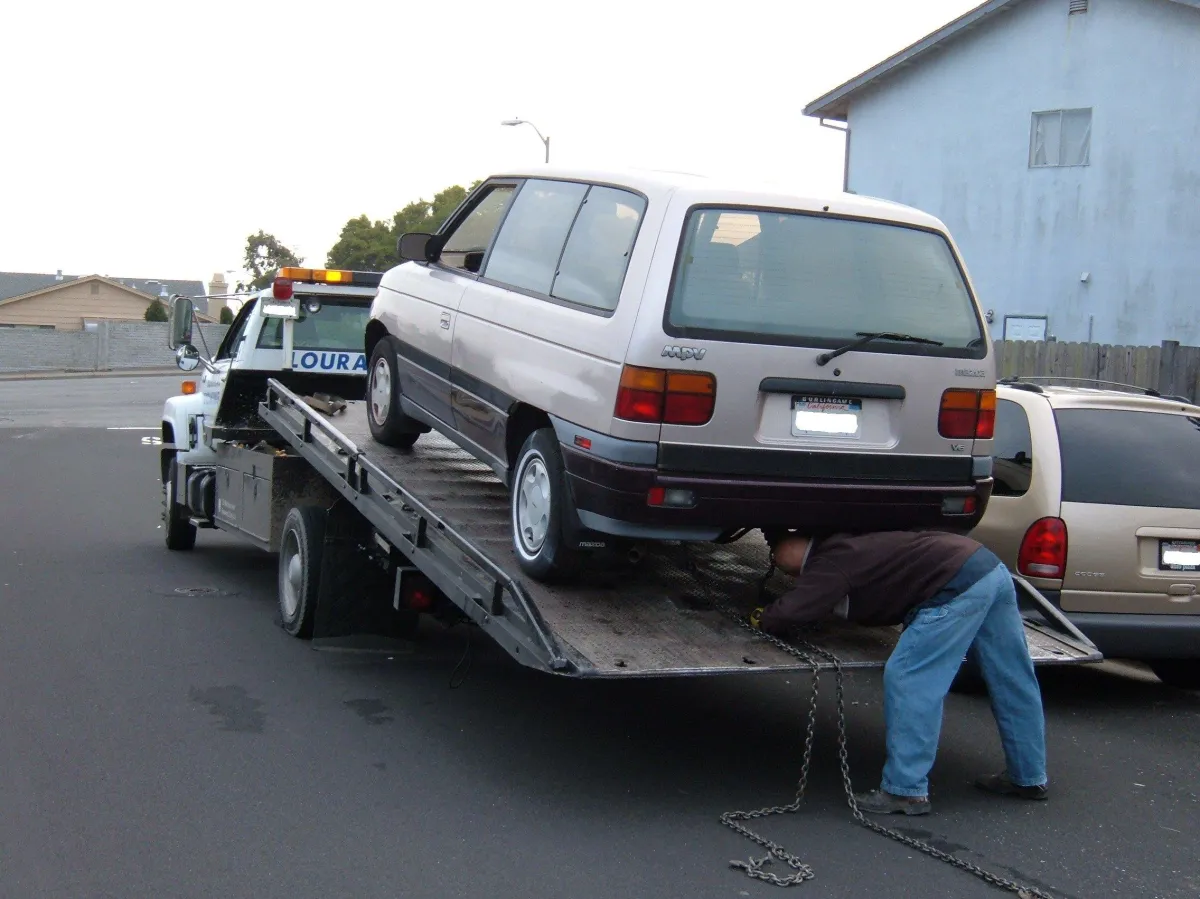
[(1128, 458), (782, 277)]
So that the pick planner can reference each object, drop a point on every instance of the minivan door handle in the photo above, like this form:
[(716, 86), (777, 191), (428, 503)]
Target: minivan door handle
[(446, 320)]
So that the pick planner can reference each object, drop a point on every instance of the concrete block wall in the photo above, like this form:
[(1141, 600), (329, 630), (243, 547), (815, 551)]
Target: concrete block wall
[(111, 345)]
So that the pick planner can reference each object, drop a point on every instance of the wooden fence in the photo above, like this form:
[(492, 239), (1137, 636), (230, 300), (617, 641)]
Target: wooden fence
[(1169, 368)]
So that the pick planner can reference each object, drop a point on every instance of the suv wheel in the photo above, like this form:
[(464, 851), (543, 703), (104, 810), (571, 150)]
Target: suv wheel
[(541, 503), (389, 425), (1182, 673)]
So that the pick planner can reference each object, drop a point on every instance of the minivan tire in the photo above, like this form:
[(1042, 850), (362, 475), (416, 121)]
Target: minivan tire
[(1182, 673), (540, 505), (389, 425)]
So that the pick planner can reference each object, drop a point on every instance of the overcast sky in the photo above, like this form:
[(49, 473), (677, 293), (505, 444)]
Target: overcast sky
[(149, 139)]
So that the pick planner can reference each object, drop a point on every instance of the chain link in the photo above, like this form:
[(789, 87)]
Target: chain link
[(810, 655)]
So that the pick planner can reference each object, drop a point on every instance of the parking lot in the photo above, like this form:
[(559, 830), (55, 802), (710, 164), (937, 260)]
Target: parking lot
[(164, 737)]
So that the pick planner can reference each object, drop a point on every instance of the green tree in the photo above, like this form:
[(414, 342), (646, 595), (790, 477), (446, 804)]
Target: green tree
[(364, 246), (265, 255), (155, 312), (226, 315)]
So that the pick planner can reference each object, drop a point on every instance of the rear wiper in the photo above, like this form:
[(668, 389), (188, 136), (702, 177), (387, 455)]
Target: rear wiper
[(865, 337)]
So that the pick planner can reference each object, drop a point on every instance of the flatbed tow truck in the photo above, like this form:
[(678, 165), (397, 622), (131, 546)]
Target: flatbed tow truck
[(370, 538)]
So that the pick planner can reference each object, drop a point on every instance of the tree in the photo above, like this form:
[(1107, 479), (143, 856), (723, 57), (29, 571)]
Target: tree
[(265, 255), (155, 312), (364, 246), (371, 246), (226, 315)]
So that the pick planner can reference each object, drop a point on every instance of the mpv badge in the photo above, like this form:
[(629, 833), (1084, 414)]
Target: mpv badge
[(970, 373), (684, 352)]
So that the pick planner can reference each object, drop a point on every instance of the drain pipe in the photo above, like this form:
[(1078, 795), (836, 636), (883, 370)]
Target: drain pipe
[(843, 127)]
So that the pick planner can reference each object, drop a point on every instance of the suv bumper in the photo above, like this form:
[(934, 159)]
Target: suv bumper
[(611, 497)]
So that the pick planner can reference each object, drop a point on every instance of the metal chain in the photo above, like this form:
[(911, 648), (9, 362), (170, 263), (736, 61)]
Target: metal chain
[(808, 653)]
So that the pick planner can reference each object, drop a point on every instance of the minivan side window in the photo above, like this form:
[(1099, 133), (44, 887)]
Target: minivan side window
[(466, 245), (528, 247), (1012, 450), (592, 269)]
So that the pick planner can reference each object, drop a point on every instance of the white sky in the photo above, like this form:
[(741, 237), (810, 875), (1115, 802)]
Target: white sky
[(150, 138)]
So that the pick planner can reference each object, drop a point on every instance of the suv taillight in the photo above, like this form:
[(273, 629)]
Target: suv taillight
[(967, 414), (1044, 549), (666, 397)]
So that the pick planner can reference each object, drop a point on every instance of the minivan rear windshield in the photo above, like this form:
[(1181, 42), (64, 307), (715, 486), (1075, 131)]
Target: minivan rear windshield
[(1127, 458), (764, 276)]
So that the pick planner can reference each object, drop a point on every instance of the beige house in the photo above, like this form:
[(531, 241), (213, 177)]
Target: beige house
[(68, 301)]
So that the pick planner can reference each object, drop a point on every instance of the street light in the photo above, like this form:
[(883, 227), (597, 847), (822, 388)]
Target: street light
[(545, 140)]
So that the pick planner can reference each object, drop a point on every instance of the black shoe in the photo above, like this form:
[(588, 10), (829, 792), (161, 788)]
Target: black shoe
[(878, 802), (1002, 786)]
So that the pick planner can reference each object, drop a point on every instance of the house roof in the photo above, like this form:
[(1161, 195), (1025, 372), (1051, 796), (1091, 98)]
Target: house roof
[(17, 284), (835, 105)]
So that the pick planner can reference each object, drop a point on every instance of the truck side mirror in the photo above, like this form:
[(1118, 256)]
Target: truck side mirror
[(179, 322), (187, 357), (415, 247)]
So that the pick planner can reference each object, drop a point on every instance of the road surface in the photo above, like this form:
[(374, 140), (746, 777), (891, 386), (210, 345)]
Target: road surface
[(163, 741)]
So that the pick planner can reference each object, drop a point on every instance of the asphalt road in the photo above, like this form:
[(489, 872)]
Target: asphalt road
[(160, 744)]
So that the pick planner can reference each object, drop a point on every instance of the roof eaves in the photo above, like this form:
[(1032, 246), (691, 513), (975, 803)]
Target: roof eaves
[(835, 104)]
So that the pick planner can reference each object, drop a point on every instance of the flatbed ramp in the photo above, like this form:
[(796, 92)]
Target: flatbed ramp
[(667, 614)]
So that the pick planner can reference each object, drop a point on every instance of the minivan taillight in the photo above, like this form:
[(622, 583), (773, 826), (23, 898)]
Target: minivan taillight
[(666, 397), (1044, 549), (967, 414)]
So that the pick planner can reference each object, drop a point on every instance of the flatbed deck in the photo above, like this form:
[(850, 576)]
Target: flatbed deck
[(656, 617)]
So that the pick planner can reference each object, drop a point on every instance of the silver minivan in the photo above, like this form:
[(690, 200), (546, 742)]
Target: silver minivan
[(650, 356)]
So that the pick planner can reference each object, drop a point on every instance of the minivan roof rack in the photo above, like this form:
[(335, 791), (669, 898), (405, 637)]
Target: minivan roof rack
[(1028, 382)]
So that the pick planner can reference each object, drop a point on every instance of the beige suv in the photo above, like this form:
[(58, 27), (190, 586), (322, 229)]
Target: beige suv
[(1097, 502), (653, 356)]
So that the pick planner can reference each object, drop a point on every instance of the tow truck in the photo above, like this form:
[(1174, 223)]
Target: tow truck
[(273, 445)]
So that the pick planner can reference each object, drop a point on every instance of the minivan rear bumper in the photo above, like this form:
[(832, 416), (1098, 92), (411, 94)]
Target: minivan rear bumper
[(612, 497), (1121, 635)]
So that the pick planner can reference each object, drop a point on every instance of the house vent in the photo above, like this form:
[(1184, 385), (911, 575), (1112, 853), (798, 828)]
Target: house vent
[(1077, 6)]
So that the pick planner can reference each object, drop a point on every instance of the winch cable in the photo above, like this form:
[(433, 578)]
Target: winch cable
[(810, 655)]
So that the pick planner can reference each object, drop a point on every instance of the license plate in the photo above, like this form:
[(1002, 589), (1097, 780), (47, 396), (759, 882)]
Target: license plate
[(826, 416), (1179, 555)]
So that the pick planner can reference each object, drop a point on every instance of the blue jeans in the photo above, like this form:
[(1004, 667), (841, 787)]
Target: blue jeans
[(983, 619)]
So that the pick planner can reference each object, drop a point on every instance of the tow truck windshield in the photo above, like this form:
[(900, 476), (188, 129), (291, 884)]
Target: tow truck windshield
[(335, 325)]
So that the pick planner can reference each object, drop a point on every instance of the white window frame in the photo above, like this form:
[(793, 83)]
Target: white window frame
[(1033, 139)]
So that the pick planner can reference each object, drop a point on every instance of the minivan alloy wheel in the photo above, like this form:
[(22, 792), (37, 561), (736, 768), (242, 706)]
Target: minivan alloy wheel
[(381, 391), (533, 504)]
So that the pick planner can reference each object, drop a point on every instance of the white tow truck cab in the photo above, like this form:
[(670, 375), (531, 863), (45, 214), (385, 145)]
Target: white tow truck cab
[(306, 330)]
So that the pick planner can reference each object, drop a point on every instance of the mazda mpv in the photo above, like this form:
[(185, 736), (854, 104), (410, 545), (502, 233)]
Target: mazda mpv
[(655, 356)]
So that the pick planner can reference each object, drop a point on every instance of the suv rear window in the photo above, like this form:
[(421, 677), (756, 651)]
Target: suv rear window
[(793, 278), (1126, 458)]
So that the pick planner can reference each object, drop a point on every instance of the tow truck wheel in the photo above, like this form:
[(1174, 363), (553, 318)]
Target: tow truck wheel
[(389, 425), (178, 528), (540, 504), (300, 551)]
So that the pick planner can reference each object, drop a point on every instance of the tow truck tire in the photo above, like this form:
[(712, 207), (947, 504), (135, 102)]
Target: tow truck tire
[(1182, 673), (178, 528), (300, 550), (540, 503), (389, 425)]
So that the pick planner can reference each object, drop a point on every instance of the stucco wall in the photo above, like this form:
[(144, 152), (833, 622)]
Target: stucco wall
[(951, 135), (112, 345)]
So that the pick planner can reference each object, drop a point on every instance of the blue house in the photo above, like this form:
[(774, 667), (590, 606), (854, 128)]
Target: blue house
[(1060, 142)]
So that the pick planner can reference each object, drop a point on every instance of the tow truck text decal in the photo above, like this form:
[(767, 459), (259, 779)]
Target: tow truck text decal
[(313, 360)]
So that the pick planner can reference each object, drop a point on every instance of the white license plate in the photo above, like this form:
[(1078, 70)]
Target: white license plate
[(1179, 555), (826, 416)]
